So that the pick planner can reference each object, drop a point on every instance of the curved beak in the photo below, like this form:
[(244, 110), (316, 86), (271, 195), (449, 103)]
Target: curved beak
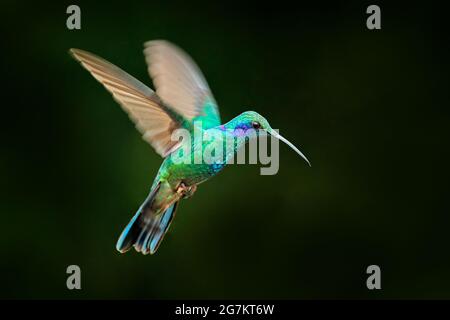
[(280, 137)]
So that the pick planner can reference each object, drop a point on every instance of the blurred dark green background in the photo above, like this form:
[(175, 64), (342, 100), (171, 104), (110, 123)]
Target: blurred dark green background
[(369, 108)]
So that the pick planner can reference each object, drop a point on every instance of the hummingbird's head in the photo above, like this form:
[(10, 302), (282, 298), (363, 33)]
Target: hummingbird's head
[(253, 120)]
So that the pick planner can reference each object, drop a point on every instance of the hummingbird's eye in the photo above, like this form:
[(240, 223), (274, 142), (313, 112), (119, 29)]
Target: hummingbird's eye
[(256, 125)]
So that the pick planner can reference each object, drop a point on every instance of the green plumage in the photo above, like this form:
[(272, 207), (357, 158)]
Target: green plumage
[(182, 101)]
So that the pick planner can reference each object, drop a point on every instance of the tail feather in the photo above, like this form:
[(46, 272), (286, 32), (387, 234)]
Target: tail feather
[(146, 230), (155, 234)]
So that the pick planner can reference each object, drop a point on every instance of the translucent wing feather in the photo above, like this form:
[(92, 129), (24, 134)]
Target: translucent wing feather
[(180, 83), (139, 101)]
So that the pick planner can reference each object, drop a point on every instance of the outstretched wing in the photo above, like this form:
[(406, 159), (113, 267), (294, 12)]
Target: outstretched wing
[(141, 103), (180, 83)]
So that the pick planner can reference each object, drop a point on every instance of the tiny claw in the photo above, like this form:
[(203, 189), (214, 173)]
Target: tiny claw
[(186, 191)]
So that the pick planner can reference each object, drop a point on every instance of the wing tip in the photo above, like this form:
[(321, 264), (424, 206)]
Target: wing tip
[(74, 52), (150, 43), (80, 55)]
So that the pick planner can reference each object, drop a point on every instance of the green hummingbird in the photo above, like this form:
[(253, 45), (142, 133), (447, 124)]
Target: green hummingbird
[(182, 100)]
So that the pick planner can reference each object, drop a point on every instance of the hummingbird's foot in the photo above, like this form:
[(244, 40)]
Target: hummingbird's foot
[(186, 191)]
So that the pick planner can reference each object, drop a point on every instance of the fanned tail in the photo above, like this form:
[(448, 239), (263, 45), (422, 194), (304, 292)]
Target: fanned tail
[(146, 230)]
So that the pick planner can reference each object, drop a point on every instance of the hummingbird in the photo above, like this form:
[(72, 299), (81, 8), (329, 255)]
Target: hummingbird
[(181, 101)]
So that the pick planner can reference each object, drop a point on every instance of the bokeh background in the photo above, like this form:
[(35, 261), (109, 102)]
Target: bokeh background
[(369, 109)]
